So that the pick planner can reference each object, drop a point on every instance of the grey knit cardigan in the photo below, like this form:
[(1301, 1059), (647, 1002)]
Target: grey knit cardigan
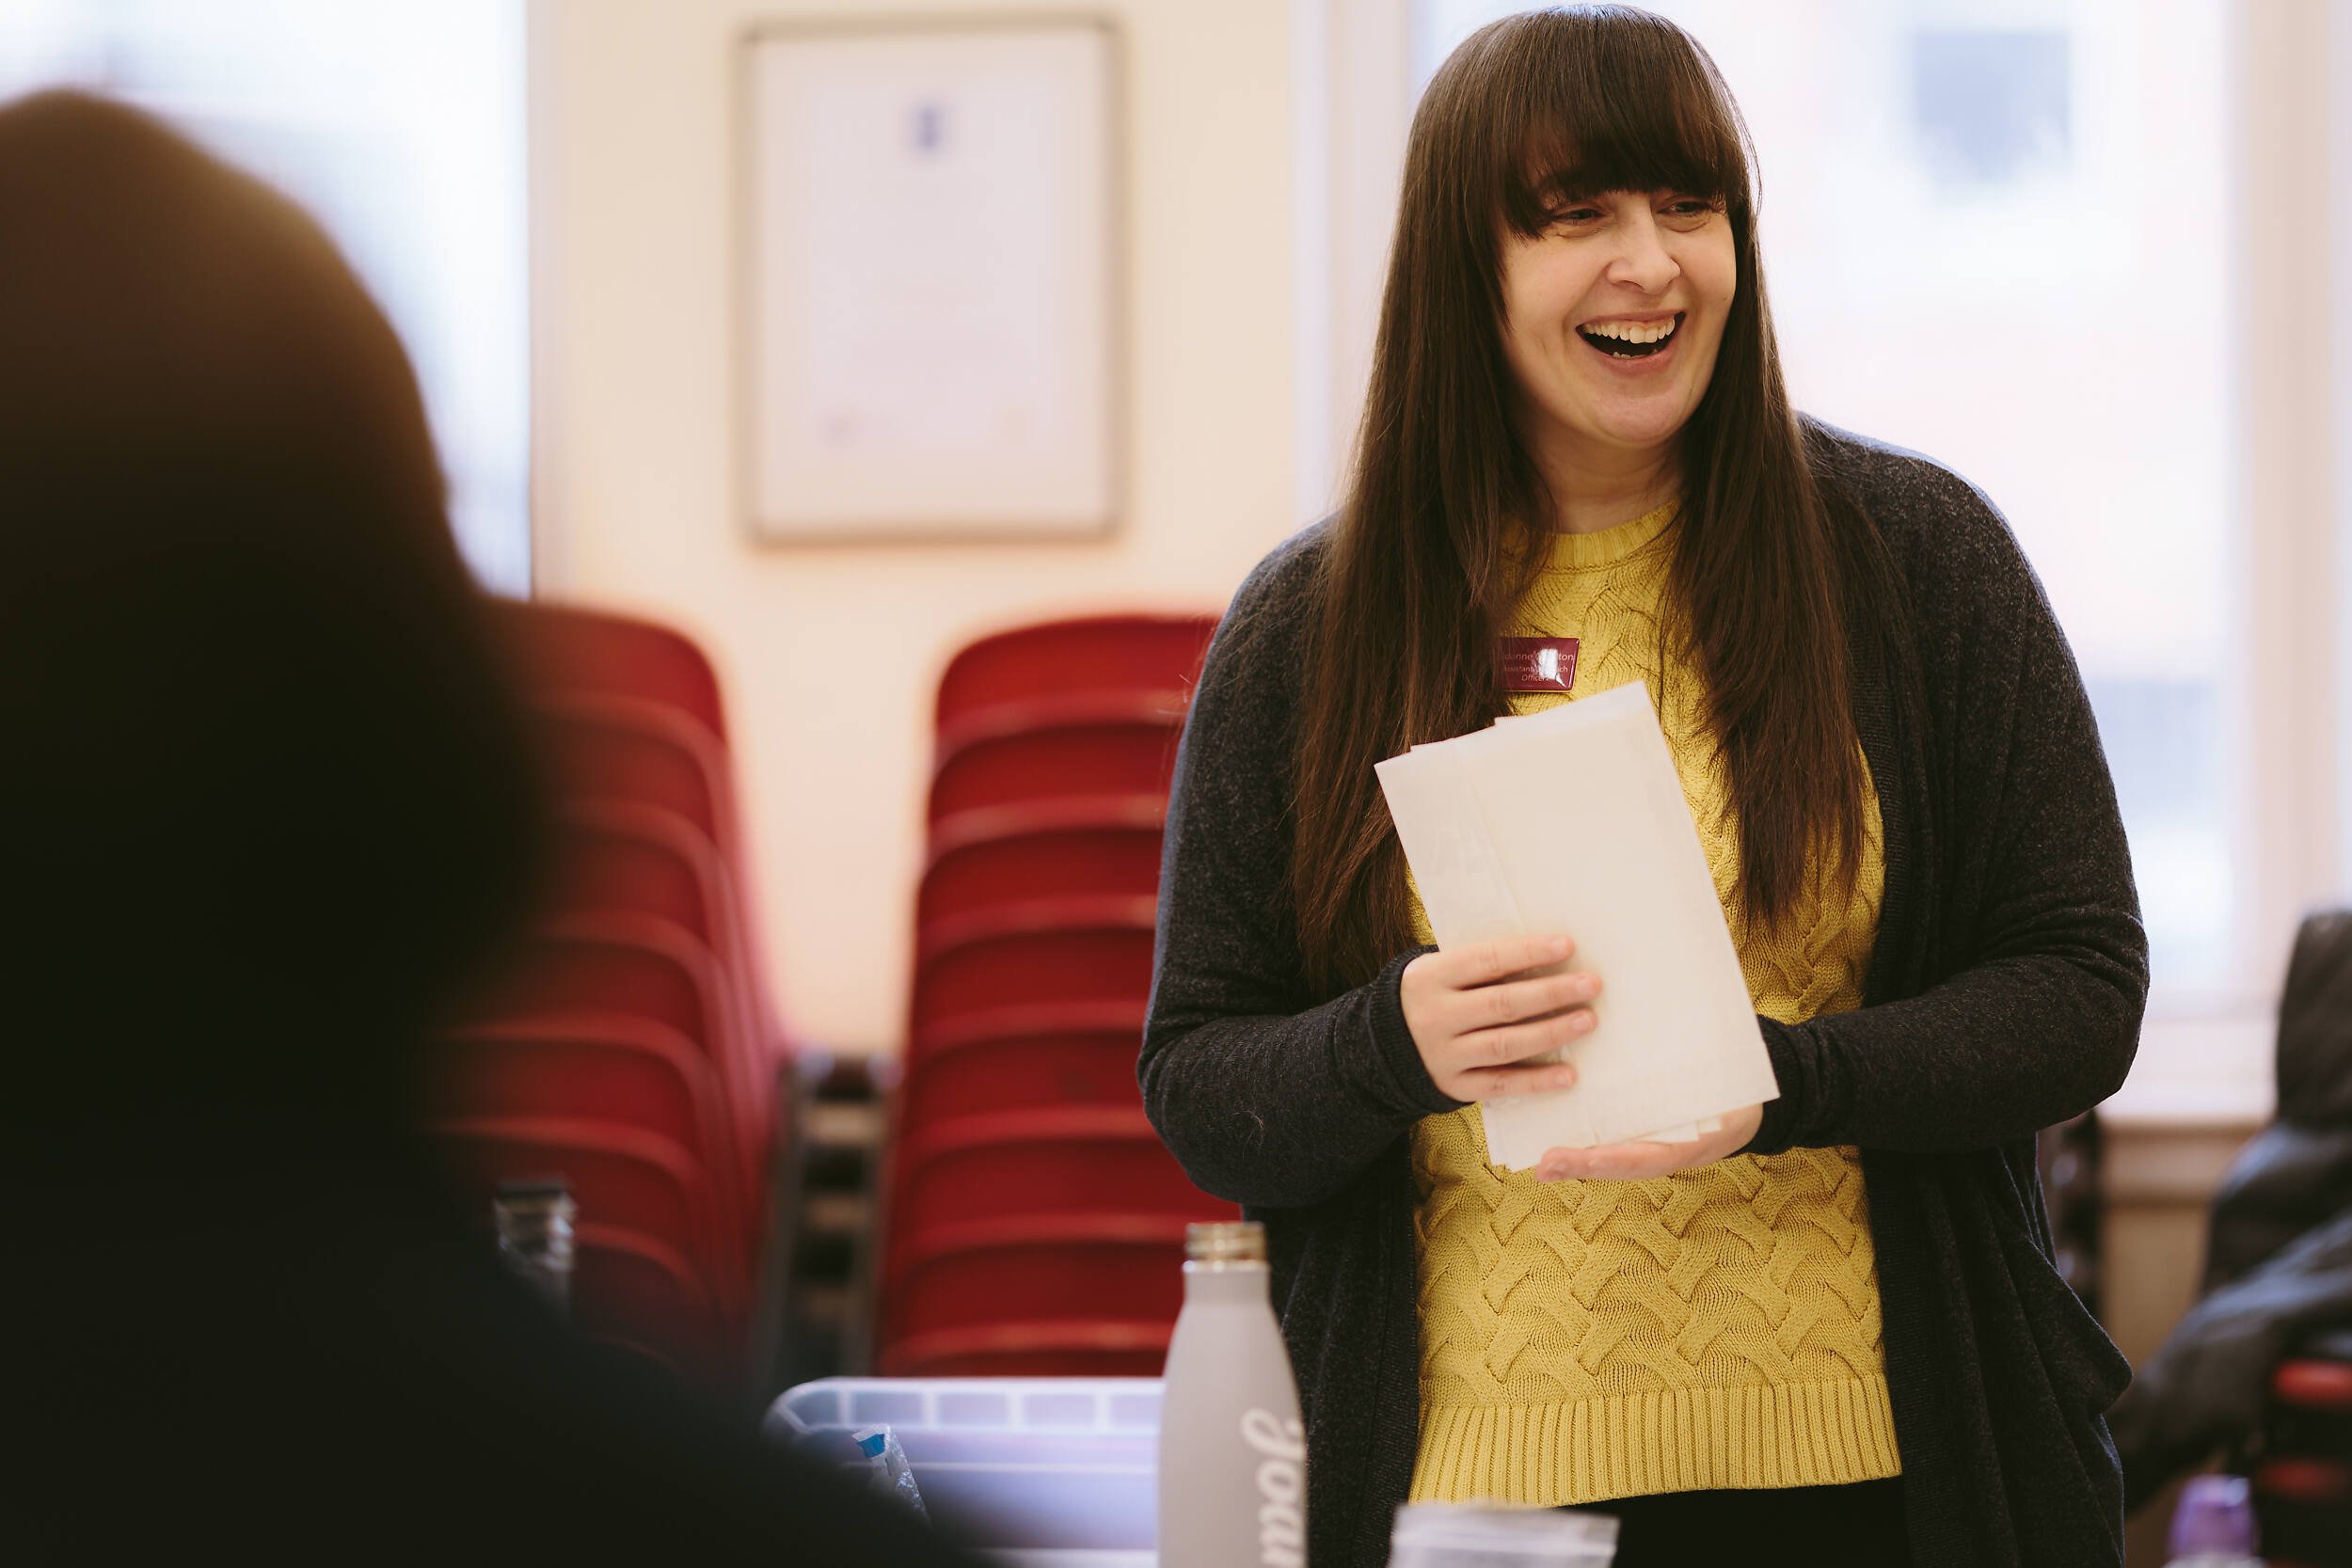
[(2004, 994)]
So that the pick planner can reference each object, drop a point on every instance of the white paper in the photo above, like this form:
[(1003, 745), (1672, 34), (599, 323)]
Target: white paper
[(1573, 820)]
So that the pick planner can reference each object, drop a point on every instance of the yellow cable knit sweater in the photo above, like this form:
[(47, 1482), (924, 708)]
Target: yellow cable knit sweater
[(1583, 1340)]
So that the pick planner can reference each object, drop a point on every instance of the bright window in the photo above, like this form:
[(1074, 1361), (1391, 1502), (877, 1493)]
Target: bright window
[(1997, 233), (401, 127)]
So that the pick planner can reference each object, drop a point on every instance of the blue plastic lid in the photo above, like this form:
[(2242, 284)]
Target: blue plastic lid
[(2215, 1517)]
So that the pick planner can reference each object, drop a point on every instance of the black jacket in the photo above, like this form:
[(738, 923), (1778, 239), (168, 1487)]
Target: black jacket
[(2003, 995), (2279, 1263)]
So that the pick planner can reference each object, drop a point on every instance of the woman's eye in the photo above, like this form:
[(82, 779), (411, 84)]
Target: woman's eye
[(1576, 214), (1689, 207)]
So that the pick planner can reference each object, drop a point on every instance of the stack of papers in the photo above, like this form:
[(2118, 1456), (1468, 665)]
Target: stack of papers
[(1573, 821)]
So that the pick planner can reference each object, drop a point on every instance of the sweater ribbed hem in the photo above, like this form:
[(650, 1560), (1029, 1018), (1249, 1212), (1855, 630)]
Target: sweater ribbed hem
[(1671, 1440)]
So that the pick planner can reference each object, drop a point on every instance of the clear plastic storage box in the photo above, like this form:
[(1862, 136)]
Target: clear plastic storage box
[(1038, 1472)]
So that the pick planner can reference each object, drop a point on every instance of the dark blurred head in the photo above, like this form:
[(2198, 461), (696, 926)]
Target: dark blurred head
[(263, 803)]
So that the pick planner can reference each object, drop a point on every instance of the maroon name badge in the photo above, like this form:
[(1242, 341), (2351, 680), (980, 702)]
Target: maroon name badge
[(1539, 663)]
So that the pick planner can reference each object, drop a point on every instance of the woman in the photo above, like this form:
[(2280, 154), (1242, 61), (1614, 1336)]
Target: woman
[(1831, 1328), (265, 807)]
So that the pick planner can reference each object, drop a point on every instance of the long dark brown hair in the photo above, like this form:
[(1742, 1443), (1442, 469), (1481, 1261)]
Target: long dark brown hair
[(1442, 532)]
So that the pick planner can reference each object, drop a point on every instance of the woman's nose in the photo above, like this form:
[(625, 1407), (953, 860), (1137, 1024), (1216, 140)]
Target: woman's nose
[(1642, 260)]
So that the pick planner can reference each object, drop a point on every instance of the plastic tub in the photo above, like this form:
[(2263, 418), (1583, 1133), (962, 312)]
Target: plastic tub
[(1038, 1472)]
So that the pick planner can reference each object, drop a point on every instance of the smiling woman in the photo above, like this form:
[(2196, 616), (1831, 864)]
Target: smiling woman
[(1831, 1320), (1596, 204)]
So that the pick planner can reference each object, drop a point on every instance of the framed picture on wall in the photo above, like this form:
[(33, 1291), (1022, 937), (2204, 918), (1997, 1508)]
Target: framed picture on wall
[(929, 303)]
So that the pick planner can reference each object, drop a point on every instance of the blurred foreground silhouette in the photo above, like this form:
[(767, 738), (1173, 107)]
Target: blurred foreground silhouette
[(263, 812)]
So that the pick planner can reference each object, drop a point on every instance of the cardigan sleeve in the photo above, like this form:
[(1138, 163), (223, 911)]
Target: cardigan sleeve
[(1265, 1096), (2037, 1016)]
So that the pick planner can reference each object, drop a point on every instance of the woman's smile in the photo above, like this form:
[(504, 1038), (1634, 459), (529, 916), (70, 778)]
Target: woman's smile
[(1634, 346)]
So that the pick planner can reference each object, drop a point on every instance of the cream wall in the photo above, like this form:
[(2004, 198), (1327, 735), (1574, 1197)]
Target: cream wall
[(829, 656)]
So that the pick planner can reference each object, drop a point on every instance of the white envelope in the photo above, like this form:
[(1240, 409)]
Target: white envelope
[(1573, 820)]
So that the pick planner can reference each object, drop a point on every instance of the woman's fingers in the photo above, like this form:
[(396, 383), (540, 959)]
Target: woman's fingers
[(1501, 1083), (1644, 1157), (1627, 1162), (1540, 995), (1482, 963), (1501, 1047), (1492, 1005), (1507, 1003)]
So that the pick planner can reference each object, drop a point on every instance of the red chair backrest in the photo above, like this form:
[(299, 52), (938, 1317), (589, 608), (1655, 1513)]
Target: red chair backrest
[(622, 749), (1055, 1348), (1047, 752), (627, 965), (1092, 653), (1080, 952), (1038, 1270), (1024, 854), (638, 967), (570, 649), (634, 769), (619, 1070), (2313, 1383), (1023, 1059), (1065, 1160), (626, 858)]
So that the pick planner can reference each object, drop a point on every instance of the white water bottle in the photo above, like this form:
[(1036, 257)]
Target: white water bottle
[(1232, 1450)]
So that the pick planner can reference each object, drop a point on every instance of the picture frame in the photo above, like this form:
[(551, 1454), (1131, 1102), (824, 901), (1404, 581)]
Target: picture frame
[(929, 333)]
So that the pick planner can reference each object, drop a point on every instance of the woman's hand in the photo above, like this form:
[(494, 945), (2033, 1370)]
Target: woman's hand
[(1477, 1014), (1638, 1160)]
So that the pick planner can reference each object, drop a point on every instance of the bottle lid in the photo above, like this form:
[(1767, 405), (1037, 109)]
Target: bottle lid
[(533, 1189), (2215, 1516), (1230, 1241)]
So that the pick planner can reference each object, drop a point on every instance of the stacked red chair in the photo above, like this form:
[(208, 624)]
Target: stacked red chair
[(1034, 1222), (629, 1045), (2303, 1485)]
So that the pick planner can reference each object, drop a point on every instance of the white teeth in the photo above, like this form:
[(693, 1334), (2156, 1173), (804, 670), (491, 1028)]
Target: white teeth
[(1628, 332)]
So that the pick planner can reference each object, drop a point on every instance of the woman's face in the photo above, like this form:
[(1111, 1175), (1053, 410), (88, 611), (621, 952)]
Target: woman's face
[(1613, 317)]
